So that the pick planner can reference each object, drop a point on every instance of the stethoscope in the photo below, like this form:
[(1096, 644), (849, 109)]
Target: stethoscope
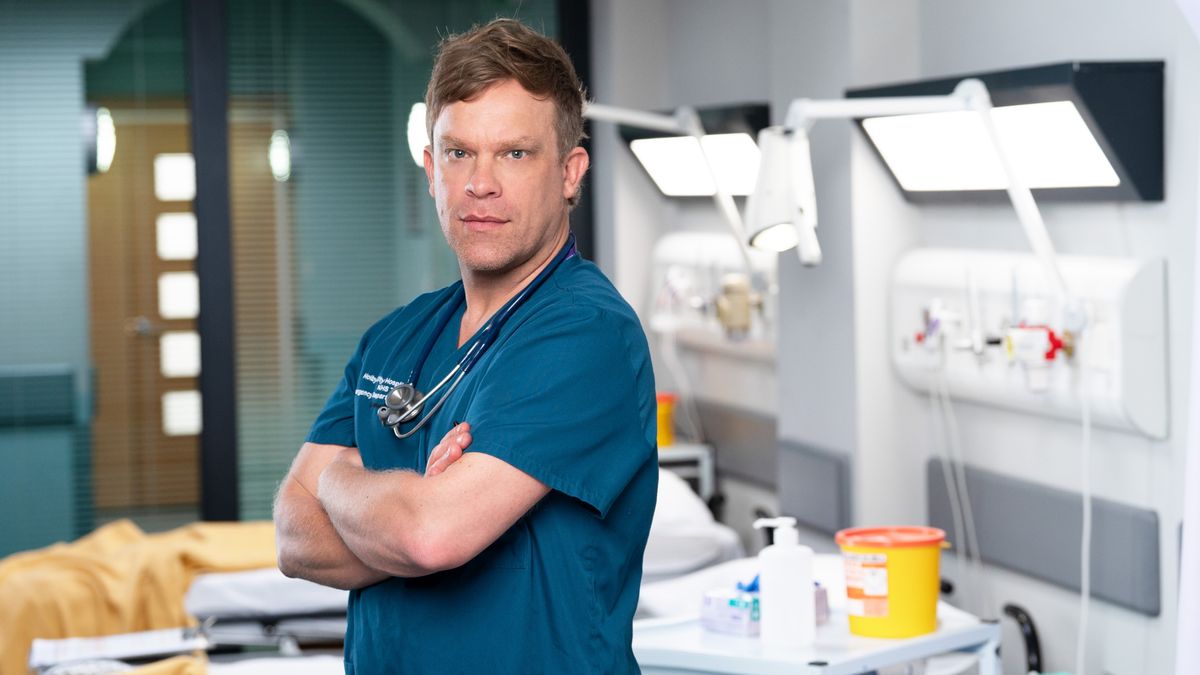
[(404, 403)]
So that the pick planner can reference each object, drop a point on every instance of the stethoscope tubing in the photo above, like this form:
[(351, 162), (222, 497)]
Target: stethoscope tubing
[(488, 336), (436, 406)]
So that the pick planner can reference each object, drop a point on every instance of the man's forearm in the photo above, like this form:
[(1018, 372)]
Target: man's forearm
[(374, 515), (310, 548)]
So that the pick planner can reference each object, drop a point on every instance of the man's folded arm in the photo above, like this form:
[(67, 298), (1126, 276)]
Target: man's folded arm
[(410, 525), (307, 545)]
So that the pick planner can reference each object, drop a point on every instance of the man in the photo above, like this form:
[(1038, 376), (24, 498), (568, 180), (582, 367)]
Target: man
[(514, 543)]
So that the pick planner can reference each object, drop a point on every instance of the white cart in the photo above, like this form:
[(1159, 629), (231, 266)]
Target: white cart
[(678, 646)]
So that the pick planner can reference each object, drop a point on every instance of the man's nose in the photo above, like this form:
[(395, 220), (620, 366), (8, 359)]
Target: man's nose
[(483, 181)]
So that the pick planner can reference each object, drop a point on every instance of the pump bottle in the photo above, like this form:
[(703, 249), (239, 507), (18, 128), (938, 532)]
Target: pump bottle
[(787, 609)]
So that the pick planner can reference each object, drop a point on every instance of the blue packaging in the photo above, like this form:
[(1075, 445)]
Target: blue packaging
[(729, 611)]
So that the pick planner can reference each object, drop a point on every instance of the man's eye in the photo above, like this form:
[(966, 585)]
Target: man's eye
[(518, 154), (456, 154)]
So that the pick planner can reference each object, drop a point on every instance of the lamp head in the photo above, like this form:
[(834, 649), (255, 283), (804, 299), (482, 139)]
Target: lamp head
[(781, 212), (777, 238)]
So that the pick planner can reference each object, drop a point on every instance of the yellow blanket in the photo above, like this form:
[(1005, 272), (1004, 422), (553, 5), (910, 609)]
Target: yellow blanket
[(117, 580)]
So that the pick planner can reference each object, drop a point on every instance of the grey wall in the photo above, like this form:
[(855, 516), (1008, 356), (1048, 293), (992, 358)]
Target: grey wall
[(837, 391), (43, 262)]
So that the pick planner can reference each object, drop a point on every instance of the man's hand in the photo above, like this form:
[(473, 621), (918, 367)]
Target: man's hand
[(448, 450), (307, 544)]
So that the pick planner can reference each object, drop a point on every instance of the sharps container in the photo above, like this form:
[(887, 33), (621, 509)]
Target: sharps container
[(892, 579)]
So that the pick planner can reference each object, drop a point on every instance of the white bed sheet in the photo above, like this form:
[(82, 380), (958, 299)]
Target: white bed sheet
[(259, 593), (321, 664)]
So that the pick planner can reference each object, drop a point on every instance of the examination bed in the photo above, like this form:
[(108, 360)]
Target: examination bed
[(118, 580)]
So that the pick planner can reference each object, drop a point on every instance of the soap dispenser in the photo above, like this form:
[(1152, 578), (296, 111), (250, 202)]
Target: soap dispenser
[(787, 609)]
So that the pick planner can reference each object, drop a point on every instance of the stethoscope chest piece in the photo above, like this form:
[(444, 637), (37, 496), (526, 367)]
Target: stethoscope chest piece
[(401, 405), (404, 404)]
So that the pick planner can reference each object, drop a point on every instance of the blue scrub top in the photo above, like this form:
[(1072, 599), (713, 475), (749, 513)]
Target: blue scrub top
[(565, 394)]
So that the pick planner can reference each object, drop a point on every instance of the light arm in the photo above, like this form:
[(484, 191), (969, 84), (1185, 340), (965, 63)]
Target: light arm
[(804, 112), (685, 122), (970, 94), (1019, 193), (633, 118)]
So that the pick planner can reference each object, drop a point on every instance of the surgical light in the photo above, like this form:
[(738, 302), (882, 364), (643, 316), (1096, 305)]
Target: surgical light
[(1072, 131)]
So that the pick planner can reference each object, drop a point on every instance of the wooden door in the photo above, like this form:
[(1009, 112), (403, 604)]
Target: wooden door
[(145, 348)]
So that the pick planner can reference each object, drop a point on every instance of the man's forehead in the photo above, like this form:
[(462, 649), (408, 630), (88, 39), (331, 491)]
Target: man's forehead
[(507, 119), (503, 98)]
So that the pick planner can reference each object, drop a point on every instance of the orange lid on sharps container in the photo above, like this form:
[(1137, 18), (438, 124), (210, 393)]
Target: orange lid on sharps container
[(890, 537)]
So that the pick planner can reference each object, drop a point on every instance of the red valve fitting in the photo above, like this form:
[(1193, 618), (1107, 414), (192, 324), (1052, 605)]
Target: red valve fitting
[(1056, 342)]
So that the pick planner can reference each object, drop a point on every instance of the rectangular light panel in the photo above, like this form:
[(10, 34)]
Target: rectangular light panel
[(175, 235), (178, 295), (734, 159), (1049, 143), (677, 163), (179, 353), (181, 413), (175, 177)]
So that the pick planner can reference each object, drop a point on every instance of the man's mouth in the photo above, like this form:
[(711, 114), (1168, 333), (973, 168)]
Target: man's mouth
[(483, 220)]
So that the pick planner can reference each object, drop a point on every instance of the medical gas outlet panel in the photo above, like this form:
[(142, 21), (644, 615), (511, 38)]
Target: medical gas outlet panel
[(987, 327), (709, 294)]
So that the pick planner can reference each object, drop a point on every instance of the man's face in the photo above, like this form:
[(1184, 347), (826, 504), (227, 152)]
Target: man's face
[(500, 186)]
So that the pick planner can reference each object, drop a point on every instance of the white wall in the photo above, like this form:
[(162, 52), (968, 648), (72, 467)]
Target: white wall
[(837, 389), (955, 37)]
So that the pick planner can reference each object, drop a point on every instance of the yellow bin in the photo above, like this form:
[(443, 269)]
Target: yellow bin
[(891, 579)]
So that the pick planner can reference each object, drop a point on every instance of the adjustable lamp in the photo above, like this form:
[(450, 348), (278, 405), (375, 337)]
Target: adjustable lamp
[(781, 213), (1068, 131), (785, 197)]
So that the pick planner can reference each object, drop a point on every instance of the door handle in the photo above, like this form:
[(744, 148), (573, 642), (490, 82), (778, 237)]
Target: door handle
[(143, 327)]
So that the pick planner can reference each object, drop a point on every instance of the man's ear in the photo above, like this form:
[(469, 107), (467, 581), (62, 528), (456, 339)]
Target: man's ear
[(575, 166), (428, 157)]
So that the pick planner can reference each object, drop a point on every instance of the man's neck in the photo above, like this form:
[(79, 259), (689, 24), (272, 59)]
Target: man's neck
[(485, 294)]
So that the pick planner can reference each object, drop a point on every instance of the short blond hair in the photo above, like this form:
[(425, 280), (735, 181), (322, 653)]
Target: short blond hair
[(506, 49)]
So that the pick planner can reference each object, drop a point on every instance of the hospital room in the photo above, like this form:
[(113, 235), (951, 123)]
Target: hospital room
[(866, 342)]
